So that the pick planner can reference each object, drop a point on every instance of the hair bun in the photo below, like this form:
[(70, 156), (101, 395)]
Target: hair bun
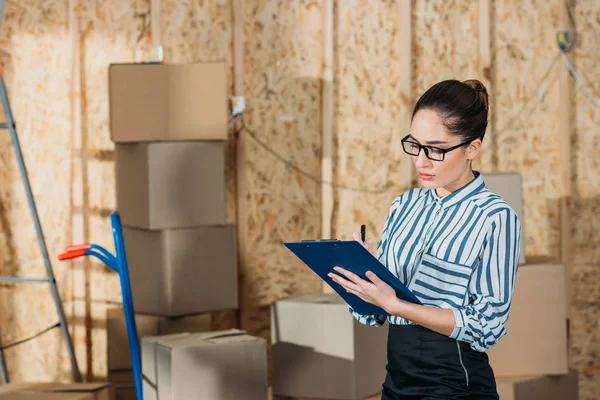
[(480, 89)]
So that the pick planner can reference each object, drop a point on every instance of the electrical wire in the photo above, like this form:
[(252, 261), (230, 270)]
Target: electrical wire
[(578, 79), (518, 115), (19, 342), (303, 172)]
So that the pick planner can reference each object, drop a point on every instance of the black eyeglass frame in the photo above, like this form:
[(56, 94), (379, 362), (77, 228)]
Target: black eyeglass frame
[(427, 148)]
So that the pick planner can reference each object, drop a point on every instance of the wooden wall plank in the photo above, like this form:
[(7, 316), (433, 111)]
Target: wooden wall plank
[(585, 206), (565, 136), (488, 159), (327, 112)]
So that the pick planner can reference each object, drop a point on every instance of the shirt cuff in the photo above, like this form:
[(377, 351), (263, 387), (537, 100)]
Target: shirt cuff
[(459, 324), (369, 320)]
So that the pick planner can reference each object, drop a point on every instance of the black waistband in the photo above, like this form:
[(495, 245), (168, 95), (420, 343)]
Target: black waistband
[(415, 332)]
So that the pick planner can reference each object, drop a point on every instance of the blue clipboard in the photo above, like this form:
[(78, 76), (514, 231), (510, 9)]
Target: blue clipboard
[(322, 255)]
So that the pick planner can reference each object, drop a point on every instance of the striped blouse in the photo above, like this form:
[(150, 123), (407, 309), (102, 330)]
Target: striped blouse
[(459, 252)]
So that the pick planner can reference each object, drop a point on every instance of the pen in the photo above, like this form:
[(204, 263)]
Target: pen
[(363, 232)]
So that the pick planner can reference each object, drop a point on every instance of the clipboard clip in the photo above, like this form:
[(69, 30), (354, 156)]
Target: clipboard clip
[(320, 240)]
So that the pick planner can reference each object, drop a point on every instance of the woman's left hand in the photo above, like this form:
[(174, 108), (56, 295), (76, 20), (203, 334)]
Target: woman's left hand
[(374, 290)]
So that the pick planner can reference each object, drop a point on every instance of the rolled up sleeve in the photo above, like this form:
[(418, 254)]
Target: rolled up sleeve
[(481, 322)]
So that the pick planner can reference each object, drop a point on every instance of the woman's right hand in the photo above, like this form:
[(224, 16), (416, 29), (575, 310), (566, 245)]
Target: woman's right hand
[(368, 243)]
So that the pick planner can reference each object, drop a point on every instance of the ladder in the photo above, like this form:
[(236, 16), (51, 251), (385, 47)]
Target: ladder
[(49, 279)]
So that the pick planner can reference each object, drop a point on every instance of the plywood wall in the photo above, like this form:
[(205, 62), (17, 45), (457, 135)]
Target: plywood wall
[(56, 57), (283, 67), (36, 58)]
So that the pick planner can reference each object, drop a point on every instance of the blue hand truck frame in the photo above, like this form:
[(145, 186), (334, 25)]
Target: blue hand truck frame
[(118, 264)]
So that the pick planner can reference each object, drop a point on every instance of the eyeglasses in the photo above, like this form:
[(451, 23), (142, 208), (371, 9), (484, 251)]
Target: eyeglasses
[(433, 153)]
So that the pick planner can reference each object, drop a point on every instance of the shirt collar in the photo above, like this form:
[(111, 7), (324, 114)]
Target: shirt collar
[(464, 193)]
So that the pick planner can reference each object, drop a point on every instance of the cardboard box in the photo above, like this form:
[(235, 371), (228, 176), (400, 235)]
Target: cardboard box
[(316, 334), (509, 186), (170, 185), (183, 271), (563, 387), (118, 355), (168, 102), (125, 393), (123, 384), (121, 378), (216, 365), (57, 391), (536, 338)]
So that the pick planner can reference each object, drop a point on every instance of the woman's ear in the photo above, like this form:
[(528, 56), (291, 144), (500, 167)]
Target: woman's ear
[(473, 149)]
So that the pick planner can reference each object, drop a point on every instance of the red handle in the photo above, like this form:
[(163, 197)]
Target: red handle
[(85, 246), (71, 254)]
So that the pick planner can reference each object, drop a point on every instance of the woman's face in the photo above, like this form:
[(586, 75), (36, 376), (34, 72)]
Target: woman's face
[(454, 171)]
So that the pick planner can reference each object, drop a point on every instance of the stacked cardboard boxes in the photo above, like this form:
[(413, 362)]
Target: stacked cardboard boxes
[(169, 125), (530, 361)]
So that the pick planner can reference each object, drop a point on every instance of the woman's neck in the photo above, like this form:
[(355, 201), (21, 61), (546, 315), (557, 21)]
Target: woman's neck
[(459, 183)]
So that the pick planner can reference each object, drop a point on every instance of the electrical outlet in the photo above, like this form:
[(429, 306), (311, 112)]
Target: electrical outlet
[(238, 105)]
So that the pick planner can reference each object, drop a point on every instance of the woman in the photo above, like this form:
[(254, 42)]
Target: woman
[(455, 244)]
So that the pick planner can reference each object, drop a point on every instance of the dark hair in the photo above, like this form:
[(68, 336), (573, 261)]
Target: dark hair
[(463, 107)]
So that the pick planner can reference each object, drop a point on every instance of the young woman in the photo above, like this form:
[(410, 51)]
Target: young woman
[(455, 244)]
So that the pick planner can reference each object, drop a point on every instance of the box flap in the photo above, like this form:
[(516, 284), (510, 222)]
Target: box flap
[(187, 339), (211, 338), (165, 339)]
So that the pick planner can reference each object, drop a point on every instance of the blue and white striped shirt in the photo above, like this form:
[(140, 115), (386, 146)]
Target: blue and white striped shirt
[(459, 252)]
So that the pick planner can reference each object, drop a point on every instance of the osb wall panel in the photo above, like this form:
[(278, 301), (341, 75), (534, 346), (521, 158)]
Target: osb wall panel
[(446, 42), (585, 327), (368, 125), (35, 48), (526, 113), (282, 66)]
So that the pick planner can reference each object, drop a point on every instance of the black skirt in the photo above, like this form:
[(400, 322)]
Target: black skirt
[(423, 364)]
